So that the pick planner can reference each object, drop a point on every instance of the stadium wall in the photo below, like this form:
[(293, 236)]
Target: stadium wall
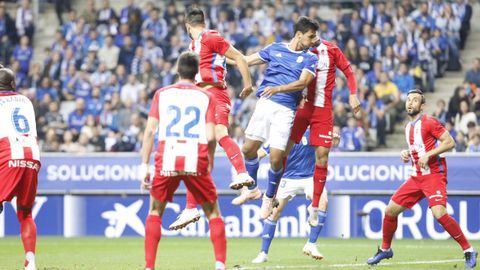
[(98, 195)]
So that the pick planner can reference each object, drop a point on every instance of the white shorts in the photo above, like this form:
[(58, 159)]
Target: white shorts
[(290, 187), (270, 122)]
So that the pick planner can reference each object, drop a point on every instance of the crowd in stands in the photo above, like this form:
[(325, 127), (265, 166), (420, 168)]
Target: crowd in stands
[(93, 90)]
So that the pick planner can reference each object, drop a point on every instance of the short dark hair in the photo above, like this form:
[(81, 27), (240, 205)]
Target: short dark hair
[(7, 79), (187, 65), (417, 91), (195, 16), (305, 24)]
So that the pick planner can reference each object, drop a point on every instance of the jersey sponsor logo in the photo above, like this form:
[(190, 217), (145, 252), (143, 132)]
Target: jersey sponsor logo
[(23, 164), (123, 216)]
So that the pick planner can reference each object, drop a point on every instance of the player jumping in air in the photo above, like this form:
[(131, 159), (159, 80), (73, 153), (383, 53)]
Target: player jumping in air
[(317, 112), (184, 117), (213, 51), (297, 179), (19, 159), (291, 68), (429, 178)]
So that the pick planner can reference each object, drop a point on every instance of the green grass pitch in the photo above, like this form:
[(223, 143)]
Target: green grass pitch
[(196, 253)]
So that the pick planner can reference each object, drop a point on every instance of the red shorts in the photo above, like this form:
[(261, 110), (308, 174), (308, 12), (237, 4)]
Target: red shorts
[(19, 181), (202, 187), (222, 105), (432, 186), (320, 121)]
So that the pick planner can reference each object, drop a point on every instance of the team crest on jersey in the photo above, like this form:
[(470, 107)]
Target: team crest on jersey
[(300, 59), (322, 52)]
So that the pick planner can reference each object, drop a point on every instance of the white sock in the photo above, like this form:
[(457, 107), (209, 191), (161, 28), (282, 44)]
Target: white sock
[(470, 249), (30, 256), (219, 265)]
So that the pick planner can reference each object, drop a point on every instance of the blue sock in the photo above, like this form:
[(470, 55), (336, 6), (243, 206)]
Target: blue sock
[(273, 180), (268, 234), (252, 169), (315, 231)]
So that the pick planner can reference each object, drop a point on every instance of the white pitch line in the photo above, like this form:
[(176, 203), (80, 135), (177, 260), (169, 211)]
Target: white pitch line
[(343, 265)]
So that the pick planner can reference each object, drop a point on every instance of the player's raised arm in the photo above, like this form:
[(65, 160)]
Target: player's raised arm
[(305, 79), (242, 65), (344, 65)]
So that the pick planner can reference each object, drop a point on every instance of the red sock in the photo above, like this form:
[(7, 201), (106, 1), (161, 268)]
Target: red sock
[(389, 227), (234, 154), (153, 233), (219, 241), (319, 180), (191, 203), (28, 230), (452, 227)]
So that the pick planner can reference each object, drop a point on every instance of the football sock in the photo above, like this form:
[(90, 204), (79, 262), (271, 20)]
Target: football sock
[(273, 181), (268, 233), (153, 233), (389, 227), (252, 169), (315, 231), (452, 227), (28, 230), (191, 203), (319, 180), (233, 153), (219, 241)]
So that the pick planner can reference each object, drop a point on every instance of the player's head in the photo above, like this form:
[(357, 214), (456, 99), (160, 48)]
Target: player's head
[(194, 18), (306, 32), (187, 65), (7, 79), (415, 102)]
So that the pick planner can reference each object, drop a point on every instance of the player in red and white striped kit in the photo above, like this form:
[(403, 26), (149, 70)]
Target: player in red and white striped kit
[(317, 112), (19, 159), (213, 51), (427, 139), (184, 117)]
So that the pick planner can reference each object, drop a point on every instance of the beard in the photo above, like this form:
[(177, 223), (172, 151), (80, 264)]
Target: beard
[(413, 112)]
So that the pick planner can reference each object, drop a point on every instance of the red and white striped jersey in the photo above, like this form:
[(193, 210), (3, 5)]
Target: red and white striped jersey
[(330, 57), (183, 111), (422, 136), (18, 130), (211, 48)]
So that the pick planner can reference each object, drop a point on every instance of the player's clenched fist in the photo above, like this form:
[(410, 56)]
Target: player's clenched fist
[(423, 161), (405, 156), (144, 176)]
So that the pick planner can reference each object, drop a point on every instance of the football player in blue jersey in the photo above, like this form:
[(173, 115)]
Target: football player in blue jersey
[(291, 68), (297, 179)]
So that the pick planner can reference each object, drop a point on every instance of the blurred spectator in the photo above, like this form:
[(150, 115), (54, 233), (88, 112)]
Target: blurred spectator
[(351, 51), (23, 53), (8, 35), (46, 89), (340, 92), (367, 12), (460, 142), (109, 53), (389, 94), (474, 144), (404, 81), (69, 145), (464, 11), (425, 58), (78, 117), (51, 142), (451, 129), (441, 111), (463, 117), (60, 7), (130, 91), (473, 75), (24, 20), (424, 20), (352, 137), (454, 103), (365, 61), (375, 117), (105, 14), (340, 114), (109, 117), (127, 52), (157, 25)]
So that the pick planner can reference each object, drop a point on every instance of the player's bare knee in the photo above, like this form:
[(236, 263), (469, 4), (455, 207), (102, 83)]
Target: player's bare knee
[(393, 209), (249, 152), (438, 211), (211, 210), (276, 162), (156, 207), (220, 132)]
